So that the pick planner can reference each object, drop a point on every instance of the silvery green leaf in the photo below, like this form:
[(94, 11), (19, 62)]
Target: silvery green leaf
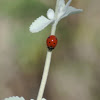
[(50, 14), (67, 5), (59, 6), (61, 3), (71, 10), (39, 24), (43, 99), (14, 98)]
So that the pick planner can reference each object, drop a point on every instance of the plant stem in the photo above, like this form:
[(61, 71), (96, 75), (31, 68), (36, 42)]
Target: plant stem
[(54, 28), (48, 60), (45, 75), (46, 67)]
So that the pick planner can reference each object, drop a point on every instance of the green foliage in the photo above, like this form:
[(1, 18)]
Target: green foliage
[(22, 8), (29, 47)]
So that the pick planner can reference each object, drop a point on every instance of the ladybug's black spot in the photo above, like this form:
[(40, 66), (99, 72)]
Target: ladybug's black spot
[(48, 37), (54, 43), (49, 42)]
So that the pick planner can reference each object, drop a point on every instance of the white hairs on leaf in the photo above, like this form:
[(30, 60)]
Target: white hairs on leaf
[(18, 98), (68, 3), (39, 24), (62, 10), (14, 98), (50, 14), (71, 10)]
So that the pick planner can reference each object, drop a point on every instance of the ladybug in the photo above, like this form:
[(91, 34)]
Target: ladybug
[(51, 42)]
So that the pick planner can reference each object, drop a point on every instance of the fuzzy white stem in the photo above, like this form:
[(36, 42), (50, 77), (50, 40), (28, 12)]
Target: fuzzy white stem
[(46, 67), (54, 28), (48, 60), (45, 75)]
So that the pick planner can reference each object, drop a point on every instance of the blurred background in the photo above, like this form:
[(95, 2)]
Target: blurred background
[(75, 67)]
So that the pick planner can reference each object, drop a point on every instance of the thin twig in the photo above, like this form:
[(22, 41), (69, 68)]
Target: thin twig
[(45, 75), (46, 68), (47, 62)]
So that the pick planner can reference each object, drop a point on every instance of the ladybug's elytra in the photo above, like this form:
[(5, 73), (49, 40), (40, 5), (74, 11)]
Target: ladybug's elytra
[(51, 42)]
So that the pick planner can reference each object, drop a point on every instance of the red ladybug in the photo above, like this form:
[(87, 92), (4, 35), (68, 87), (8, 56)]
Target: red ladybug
[(51, 42)]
